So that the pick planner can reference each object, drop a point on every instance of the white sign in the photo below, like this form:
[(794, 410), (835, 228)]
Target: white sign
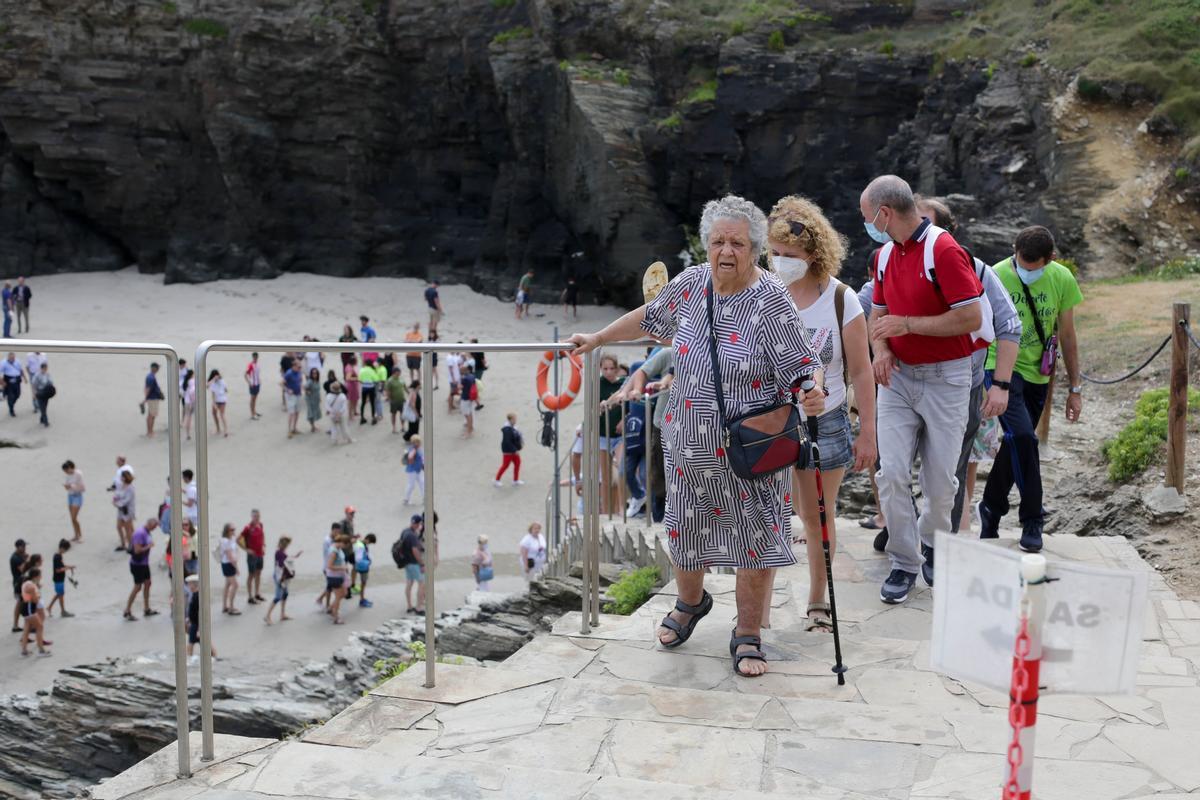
[(1090, 638)]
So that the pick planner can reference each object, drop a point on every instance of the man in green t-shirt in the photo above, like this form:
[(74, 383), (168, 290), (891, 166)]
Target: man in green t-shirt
[(523, 294), (1044, 293), (397, 394)]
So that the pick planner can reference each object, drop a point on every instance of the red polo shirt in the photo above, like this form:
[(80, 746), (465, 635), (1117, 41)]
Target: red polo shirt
[(906, 291), (255, 544)]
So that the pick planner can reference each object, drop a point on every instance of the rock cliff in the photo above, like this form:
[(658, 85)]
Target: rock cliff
[(473, 139)]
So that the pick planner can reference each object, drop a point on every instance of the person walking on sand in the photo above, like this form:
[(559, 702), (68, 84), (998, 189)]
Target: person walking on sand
[(411, 557), (73, 483), (454, 364), (254, 541), (369, 379), (125, 501), (16, 565), (414, 469), (412, 411), (293, 383), (188, 393), (140, 545), (253, 378), (434, 301), (362, 567), (335, 577), (412, 359), (469, 389), (21, 298), (338, 409), (220, 397), (351, 385), (152, 397), (43, 389), (12, 375), (312, 398), (282, 575), (397, 393), (533, 552), (117, 483), (227, 554), (59, 577), (6, 303), (570, 298), (30, 597), (511, 442), (523, 287), (481, 565)]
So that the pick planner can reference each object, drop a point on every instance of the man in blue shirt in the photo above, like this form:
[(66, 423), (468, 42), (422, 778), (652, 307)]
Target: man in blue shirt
[(151, 399), (10, 371), (293, 381), (6, 301), (366, 331), (435, 305)]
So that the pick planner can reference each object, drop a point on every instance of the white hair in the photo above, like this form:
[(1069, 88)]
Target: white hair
[(736, 208), (891, 191)]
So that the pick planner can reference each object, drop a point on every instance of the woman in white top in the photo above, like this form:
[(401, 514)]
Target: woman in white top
[(227, 553), (338, 407), (220, 396), (73, 483), (125, 498), (481, 564), (188, 389), (806, 254), (533, 552)]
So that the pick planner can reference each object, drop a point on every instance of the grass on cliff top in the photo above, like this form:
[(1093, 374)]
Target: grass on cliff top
[(1154, 44)]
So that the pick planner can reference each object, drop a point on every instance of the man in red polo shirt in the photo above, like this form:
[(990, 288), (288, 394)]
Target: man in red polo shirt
[(253, 541), (925, 324)]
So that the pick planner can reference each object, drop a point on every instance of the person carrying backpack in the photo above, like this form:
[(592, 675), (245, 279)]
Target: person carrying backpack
[(469, 386), (409, 554), (511, 443)]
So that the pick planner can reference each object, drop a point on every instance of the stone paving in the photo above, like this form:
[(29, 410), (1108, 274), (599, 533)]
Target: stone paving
[(609, 715)]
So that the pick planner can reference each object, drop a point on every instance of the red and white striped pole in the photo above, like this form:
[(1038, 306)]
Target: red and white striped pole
[(1027, 662)]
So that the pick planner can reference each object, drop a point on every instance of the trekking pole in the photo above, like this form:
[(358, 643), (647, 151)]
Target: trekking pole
[(839, 668)]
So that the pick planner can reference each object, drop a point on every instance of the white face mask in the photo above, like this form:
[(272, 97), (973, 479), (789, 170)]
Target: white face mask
[(789, 269)]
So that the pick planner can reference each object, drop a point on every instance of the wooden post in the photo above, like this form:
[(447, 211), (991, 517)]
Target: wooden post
[(1177, 411), (1043, 424)]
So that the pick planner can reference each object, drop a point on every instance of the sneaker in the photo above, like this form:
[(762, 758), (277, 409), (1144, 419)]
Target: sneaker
[(989, 525), (1031, 537), (365, 603), (881, 540), (927, 565), (193, 660), (636, 504), (518, 483), (497, 484), (897, 586)]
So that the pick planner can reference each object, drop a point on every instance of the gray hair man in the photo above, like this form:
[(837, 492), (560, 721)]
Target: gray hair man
[(926, 322)]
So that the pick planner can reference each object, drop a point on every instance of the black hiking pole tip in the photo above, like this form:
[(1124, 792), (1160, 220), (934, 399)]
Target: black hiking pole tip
[(839, 668)]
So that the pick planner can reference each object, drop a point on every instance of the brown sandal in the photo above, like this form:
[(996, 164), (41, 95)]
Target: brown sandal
[(824, 624)]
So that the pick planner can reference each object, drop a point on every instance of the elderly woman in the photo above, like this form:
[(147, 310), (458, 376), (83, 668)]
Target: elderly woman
[(807, 253), (714, 518)]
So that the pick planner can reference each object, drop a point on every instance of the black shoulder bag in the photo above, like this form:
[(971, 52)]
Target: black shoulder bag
[(763, 441), (1049, 346)]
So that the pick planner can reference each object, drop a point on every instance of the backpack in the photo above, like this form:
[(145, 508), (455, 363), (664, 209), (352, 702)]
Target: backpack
[(473, 394), (401, 554)]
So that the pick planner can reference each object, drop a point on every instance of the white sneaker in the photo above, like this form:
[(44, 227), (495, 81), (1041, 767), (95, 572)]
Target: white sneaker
[(636, 504), (518, 483), (498, 484), (193, 660)]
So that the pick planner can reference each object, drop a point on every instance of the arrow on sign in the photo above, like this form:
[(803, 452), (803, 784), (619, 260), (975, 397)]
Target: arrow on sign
[(1000, 641)]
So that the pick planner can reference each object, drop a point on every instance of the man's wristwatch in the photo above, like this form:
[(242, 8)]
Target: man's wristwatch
[(1077, 389), (1005, 385)]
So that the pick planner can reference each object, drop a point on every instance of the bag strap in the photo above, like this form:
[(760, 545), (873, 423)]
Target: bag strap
[(1037, 322), (712, 351), (839, 309)]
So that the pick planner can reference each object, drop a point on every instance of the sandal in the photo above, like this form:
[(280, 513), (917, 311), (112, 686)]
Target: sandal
[(869, 523), (824, 623), (684, 632), (735, 642)]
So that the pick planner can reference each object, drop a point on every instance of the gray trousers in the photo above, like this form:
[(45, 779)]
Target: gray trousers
[(924, 411), (22, 318), (974, 420)]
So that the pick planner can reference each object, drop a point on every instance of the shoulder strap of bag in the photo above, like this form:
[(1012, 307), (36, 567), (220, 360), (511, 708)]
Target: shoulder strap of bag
[(1033, 312), (839, 310), (712, 351)]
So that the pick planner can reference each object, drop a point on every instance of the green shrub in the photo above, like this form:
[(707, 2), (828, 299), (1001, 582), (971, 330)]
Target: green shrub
[(775, 42), (622, 76), (1135, 447), (695, 245), (672, 123), (499, 4), (989, 71), (512, 34), (632, 590), (1070, 264), (1089, 89), (737, 28), (1029, 59), (704, 93), (888, 48), (1182, 173), (201, 26), (1178, 269)]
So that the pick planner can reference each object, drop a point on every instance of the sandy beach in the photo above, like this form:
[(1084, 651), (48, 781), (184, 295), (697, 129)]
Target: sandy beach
[(300, 485)]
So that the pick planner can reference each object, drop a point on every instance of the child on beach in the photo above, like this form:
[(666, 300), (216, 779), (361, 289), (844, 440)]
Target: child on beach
[(283, 576), (59, 575), (73, 483), (414, 468), (192, 586)]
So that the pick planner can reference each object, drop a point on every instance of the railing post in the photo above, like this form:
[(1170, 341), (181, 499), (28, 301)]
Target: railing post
[(621, 471), (1177, 411), (431, 540), (589, 484), (593, 543), (179, 558), (205, 589), (648, 425)]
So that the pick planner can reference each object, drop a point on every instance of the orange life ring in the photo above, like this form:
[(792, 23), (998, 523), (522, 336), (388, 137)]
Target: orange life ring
[(573, 385)]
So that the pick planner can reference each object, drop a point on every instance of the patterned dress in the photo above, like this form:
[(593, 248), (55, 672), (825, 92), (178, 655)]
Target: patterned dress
[(714, 518)]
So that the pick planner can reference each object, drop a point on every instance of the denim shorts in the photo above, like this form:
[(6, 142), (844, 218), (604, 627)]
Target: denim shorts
[(75, 499), (833, 438), (281, 592), (413, 573)]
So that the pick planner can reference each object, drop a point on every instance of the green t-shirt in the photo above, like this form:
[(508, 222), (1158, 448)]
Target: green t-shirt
[(397, 391), (1053, 293), (523, 284), (371, 374)]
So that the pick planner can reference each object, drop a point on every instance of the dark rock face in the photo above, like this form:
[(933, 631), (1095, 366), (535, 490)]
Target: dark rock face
[(470, 140)]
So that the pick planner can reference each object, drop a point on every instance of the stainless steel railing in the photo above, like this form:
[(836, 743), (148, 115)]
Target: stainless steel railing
[(179, 608)]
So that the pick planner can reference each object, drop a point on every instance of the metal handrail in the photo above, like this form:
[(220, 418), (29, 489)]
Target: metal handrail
[(179, 609), (427, 403)]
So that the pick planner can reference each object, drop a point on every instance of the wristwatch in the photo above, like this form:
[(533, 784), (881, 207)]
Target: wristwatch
[(1005, 385), (1077, 389)]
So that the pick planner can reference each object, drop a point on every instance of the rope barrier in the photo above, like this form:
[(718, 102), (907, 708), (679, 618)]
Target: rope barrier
[(1145, 364), (1188, 330)]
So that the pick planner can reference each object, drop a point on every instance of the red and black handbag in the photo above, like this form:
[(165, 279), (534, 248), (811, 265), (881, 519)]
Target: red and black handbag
[(764, 441)]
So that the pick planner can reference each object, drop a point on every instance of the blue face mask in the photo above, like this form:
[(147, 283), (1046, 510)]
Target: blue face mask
[(875, 233), (1028, 276)]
